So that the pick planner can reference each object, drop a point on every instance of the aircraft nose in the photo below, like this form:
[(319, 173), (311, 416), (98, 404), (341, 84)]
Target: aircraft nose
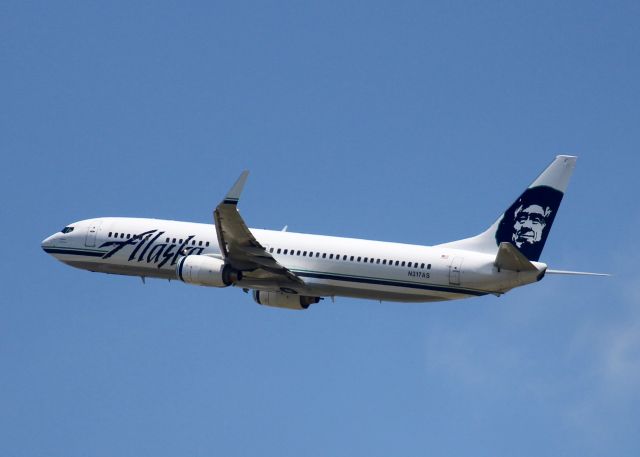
[(47, 242)]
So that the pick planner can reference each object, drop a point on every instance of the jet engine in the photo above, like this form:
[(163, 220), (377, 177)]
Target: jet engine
[(282, 300), (206, 271)]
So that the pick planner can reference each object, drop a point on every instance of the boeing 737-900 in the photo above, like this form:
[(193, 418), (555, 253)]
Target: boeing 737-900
[(294, 270)]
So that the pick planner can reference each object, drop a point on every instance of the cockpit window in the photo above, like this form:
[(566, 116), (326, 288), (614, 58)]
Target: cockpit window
[(67, 230)]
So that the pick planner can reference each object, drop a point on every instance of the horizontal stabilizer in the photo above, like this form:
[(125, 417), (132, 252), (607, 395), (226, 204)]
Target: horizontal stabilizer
[(575, 273), (510, 258)]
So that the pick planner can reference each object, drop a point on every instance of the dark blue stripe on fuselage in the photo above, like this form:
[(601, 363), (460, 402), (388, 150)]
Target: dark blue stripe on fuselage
[(73, 252), (383, 282), (318, 275)]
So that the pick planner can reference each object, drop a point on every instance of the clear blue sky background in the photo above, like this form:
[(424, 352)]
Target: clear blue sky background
[(415, 122)]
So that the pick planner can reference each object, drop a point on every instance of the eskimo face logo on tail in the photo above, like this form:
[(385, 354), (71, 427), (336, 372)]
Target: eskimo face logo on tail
[(528, 220)]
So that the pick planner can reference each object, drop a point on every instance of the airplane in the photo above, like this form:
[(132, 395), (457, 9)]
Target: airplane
[(294, 270)]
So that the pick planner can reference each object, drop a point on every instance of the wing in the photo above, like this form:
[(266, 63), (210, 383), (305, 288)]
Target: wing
[(241, 249)]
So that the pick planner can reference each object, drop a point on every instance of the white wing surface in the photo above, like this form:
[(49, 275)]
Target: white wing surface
[(240, 248)]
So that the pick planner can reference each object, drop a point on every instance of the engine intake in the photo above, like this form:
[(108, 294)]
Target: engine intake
[(282, 300), (206, 271)]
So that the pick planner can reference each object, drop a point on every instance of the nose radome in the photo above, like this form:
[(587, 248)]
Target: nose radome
[(48, 241)]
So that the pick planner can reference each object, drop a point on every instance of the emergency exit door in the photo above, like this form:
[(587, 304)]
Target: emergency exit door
[(454, 270), (92, 230)]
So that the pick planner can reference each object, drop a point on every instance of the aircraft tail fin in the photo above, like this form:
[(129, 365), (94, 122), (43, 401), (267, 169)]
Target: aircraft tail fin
[(527, 222)]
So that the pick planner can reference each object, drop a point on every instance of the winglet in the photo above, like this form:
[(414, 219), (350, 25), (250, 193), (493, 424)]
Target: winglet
[(233, 195), (510, 258)]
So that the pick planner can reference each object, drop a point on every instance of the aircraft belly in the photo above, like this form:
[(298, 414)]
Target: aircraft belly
[(119, 269), (378, 292)]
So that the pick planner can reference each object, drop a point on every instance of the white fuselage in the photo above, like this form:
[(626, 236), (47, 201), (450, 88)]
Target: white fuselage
[(330, 266)]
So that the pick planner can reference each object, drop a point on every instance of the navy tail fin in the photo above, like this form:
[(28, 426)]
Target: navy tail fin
[(527, 222)]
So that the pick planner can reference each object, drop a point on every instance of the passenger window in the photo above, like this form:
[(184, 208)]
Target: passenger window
[(359, 258), (371, 260), (377, 260), (304, 254), (397, 263), (344, 257), (324, 255), (174, 240), (429, 267), (180, 240), (122, 235), (422, 266), (384, 261), (271, 250), (365, 260), (207, 244), (286, 251), (109, 233), (199, 243), (279, 249), (402, 263), (298, 253)]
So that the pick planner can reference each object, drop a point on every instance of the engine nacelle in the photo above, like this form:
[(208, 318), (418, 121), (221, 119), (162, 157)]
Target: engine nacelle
[(282, 300), (203, 270)]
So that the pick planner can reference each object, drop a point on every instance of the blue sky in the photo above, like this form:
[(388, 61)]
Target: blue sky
[(415, 122)]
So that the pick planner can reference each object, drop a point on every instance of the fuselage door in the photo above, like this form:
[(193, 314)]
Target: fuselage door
[(92, 230), (454, 270)]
